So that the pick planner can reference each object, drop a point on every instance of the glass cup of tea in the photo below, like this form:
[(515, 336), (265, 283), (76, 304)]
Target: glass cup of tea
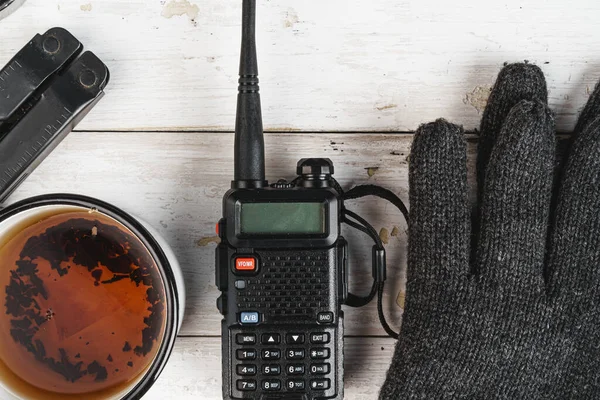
[(91, 301)]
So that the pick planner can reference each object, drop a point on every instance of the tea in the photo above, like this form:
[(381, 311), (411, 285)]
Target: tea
[(83, 306)]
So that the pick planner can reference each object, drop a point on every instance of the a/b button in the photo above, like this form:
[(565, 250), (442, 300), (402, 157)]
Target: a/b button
[(249, 318)]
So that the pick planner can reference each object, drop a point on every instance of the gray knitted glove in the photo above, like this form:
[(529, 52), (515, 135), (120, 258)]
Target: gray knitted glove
[(512, 312)]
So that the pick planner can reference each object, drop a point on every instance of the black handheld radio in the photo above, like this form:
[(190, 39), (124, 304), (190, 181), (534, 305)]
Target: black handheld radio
[(281, 264)]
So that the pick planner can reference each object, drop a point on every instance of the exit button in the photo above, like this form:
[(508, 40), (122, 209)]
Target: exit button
[(245, 264)]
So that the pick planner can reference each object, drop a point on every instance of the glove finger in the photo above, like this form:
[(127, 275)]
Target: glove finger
[(516, 199), (516, 82), (591, 111), (575, 239), (439, 225)]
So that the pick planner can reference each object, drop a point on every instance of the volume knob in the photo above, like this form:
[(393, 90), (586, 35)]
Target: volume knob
[(315, 172)]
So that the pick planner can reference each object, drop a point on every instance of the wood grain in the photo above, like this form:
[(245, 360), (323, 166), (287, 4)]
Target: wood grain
[(193, 371), (340, 65)]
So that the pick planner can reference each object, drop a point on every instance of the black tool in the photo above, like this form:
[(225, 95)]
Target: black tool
[(7, 7), (281, 264), (45, 91)]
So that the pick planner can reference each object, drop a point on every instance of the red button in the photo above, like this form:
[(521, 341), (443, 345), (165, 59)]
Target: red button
[(217, 229), (245, 264)]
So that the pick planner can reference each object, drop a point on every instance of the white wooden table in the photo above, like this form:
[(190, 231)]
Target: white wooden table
[(343, 79)]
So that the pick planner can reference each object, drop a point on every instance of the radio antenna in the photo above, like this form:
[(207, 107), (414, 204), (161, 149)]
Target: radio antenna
[(249, 152)]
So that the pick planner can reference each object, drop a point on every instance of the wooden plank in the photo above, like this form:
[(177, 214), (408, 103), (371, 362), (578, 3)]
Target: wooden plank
[(340, 65), (194, 370), (175, 181)]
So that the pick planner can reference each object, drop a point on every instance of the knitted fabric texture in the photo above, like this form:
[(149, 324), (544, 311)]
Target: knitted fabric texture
[(504, 304)]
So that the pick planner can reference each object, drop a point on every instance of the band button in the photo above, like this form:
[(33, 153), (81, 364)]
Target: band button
[(325, 318)]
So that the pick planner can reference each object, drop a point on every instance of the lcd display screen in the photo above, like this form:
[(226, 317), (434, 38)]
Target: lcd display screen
[(301, 218)]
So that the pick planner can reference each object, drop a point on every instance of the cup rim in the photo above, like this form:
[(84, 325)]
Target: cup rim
[(138, 229)]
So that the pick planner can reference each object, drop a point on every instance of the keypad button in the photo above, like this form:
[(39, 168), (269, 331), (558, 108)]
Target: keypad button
[(245, 354), (320, 369), (319, 338), (271, 338), (294, 338), (245, 338), (295, 369), (320, 384), (295, 354), (271, 354), (273, 369), (271, 385), (246, 369), (317, 354), (246, 385), (295, 384), (245, 264), (325, 318), (249, 318)]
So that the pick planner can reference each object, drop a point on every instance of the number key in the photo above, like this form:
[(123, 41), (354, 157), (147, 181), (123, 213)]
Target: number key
[(319, 369), (246, 369), (295, 354), (246, 385), (271, 385), (295, 384), (271, 354), (246, 354), (295, 369), (272, 369)]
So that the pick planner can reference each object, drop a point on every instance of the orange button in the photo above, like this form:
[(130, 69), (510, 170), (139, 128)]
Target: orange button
[(245, 264)]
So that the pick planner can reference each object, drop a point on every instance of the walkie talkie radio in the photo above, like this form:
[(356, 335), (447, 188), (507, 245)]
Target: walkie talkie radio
[(281, 263), (280, 266)]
